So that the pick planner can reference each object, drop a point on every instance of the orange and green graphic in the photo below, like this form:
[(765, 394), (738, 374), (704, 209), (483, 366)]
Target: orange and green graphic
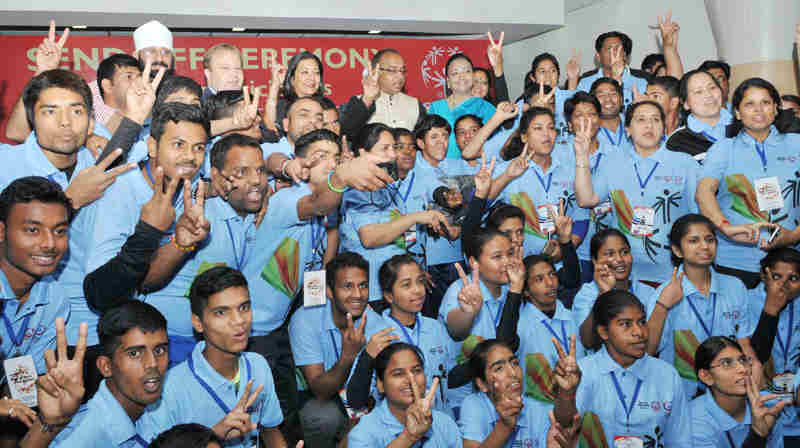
[(524, 202), (204, 266), (592, 434), (744, 198), (539, 383), (283, 269), (624, 210), (686, 344), (400, 241), (467, 347)]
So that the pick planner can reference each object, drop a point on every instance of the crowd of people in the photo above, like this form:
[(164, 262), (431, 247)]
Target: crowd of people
[(599, 263)]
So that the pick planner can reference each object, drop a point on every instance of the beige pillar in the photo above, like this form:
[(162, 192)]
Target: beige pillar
[(756, 38)]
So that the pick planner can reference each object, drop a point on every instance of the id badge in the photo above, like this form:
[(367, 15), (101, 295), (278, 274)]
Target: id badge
[(643, 219), (768, 193), (410, 237), (602, 208), (21, 377), (782, 385), (628, 442), (546, 223), (351, 413), (314, 288)]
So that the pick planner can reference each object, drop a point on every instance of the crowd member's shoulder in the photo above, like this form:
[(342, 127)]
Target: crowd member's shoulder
[(589, 74), (684, 140), (636, 73)]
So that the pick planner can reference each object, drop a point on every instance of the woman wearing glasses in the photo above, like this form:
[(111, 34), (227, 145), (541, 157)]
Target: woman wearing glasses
[(732, 413)]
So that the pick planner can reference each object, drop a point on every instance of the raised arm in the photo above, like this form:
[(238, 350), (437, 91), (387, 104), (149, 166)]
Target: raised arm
[(669, 38)]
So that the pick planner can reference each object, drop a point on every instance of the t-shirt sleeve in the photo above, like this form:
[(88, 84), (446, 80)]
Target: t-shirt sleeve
[(306, 349), (601, 176), (715, 164), (449, 301), (116, 218), (473, 421), (269, 408), (693, 173), (678, 432), (282, 212)]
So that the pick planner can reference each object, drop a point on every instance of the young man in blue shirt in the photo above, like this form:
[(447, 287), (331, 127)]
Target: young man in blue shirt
[(220, 385), (614, 52)]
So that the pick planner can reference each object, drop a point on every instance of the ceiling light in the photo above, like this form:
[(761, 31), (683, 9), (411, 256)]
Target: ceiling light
[(79, 27), (238, 29), (374, 32)]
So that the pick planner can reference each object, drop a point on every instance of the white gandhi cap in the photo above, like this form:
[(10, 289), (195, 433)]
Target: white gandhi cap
[(152, 34)]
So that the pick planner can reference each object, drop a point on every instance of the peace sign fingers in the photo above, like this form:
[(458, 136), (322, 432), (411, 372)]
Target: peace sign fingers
[(430, 397), (461, 274), (415, 391)]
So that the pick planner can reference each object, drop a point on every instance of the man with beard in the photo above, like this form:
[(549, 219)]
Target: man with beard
[(609, 93), (303, 116), (114, 75), (613, 52)]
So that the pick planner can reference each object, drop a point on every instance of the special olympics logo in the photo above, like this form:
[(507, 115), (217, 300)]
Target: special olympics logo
[(433, 65)]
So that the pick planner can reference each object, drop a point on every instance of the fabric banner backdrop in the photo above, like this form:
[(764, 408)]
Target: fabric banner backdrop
[(344, 61)]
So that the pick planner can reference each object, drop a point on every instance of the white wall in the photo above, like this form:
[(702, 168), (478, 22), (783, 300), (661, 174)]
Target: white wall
[(633, 17)]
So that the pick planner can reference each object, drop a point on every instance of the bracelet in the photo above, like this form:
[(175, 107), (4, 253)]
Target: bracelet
[(332, 188), (724, 223), (50, 427), (662, 305), (581, 165), (187, 249), (283, 169)]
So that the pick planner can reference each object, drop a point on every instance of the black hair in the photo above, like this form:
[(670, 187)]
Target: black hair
[(341, 261), (381, 362), (327, 104), (609, 305), (710, 349), (387, 274), (722, 65), (681, 227), (516, 145), (219, 152), (533, 90), (63, 79), (472, 117), (632, 108), (670, 83), (377, 57), (788, 255), (131, 314), (653, 59), (402, 132), (532, 260), (175, 113), (599, 239), (210, 282), (291, 103), (223, 104), (450, 60), (33, 188), (606, 80), (480, 356), (369, 136), (305, 141), (544, 57), (187, 435), (430, 121), (580, 97), (287, 89), (627, 43), (502, 212), (738, 95), (791, 98), (108, 67), (176, 83), (683, 89), (472, 244)]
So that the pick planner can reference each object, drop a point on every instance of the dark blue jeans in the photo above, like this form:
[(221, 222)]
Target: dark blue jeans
[(443, 275)]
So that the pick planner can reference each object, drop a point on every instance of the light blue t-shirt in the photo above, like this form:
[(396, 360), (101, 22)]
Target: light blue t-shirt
[(380, 427), (628, 81), (737, 164), (696, 318), (479, 417), (712, 427), (587, 295), (194, 392), (30, 328), (284, 250), (101, 423), (483, 327), (664, 182), (475, 106), (711, 133), (650, 403), (613, 138)]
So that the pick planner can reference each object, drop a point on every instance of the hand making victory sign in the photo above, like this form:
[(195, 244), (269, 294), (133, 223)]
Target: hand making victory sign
[(483, 178), (159, 211), (543, 99), (495, 53), (192, 226), (237, 422), (48, 53), (470, 298), (567, 374), (246, 113), (419, 416)]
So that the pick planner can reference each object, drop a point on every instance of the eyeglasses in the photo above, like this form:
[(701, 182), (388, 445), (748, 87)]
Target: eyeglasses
[(730, 363)]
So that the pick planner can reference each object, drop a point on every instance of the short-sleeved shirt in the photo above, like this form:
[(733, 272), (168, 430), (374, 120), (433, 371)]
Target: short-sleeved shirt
[(194, 392), (613, 138), (229, 242), (711, 133), (284, 250), (30, 328), (737, 164), (380, 427), (628, 81), (696, 318), (479, 417), (650, 389), (101, 423), (587, 295), (281, 146), (475, 106), (537, 187), (483, 327), (664, 182), (712, 427), (432, 339)]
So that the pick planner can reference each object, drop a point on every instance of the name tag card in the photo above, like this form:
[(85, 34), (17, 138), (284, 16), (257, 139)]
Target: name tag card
[(314, 288), (21, 377)]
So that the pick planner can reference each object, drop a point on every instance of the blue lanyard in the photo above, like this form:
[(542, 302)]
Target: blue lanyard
[(597, 162), (149, 174), (239, 260), (333, 341), (708, 330), (404, 197), (541, 181), (138, 439), (317, 230), (497, 316), (762, 154), (564, 342), (208, 388), (628, 408), (19, 337), (710, 137), (611, 138), (643, 184), (730, 439), (405, 333), (784, 348)]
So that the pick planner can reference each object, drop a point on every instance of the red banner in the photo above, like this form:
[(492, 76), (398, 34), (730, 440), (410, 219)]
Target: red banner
[(344, 60)]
